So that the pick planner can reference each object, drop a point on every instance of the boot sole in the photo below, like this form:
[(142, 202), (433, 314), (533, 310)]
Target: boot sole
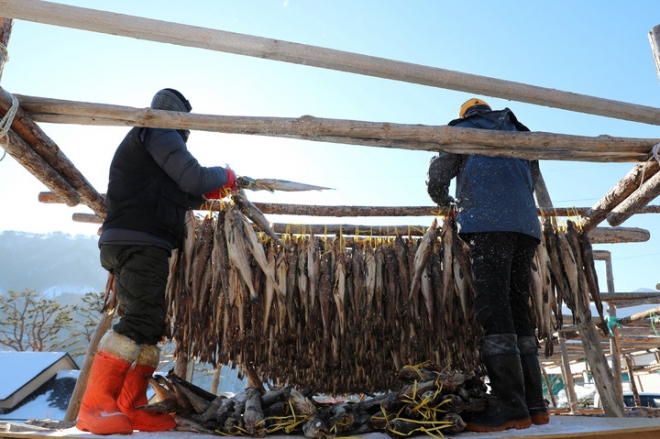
[(518, 425), (540, 419)]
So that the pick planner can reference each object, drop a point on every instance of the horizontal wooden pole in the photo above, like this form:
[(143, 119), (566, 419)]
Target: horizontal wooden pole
[(414, 137), (613, 235), (529, 145), (610, 235), (632, 296), (366, 211), (267, 48)]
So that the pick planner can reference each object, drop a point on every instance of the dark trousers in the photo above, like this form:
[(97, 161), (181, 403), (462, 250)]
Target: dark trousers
[(501, 263), (141, 273)]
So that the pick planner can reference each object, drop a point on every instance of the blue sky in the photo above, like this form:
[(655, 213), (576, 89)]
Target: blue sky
[(598, 49)]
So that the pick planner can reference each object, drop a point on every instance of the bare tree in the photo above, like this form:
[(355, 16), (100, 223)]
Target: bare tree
[(86, 315), (31, 322)]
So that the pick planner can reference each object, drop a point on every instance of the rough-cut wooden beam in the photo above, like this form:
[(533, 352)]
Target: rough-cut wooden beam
[(31, 161), (653, 312), (609, 235), (622, 190), (647, 192), (47, 149), (327, 210), (643, 298), (213, 39), (631, 377), (529, 145), (612, 235)]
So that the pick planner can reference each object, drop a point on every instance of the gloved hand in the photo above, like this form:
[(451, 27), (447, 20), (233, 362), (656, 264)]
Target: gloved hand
[(225, 190), (448, 201)]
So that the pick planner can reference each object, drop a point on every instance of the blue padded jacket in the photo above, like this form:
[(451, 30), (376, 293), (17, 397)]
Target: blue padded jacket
[(493, 194)]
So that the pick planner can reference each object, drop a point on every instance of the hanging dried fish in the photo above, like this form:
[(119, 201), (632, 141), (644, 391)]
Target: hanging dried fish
[(269, 290), (189, 245), (339, 290), (313, 268), (369, 278), (282, 299), (236, 247), (423, 254), (592, 277), (257, 251), (255, 215), (325, 292)]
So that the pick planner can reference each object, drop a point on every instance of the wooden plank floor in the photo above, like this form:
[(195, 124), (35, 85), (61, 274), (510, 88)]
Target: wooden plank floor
[(560, 427)]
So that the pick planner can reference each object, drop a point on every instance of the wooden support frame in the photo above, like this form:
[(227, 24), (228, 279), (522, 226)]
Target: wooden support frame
[(278, 50), (399, 142)]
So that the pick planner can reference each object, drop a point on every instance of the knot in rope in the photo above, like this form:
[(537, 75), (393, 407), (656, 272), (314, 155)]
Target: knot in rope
[(611, 321)]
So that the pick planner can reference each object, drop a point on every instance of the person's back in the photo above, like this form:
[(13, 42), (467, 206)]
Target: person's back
[(497, 218)]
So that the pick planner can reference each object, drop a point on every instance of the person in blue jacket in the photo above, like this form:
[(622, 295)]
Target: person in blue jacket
[(154, 181), (497, 217)]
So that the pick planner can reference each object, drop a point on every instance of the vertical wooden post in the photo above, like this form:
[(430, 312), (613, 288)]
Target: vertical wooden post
[(549, 386), (215, 382), (633, 386), (567, 375), (615, 354), (81, 384)]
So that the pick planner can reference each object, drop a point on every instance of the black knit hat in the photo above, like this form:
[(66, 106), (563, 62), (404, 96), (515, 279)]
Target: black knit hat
[(170, 100)]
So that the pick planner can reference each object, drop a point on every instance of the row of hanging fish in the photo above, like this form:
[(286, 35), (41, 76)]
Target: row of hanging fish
[(563, 271), (319, 312), (339, 315), (429, 402)]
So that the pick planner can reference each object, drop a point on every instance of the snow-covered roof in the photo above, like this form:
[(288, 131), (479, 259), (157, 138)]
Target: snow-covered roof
[(24, 372)]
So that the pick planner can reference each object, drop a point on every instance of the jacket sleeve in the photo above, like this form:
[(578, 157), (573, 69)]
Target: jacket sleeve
[(442, 168), (170, 153)]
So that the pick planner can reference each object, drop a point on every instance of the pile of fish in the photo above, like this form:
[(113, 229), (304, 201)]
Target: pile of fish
[(339, 315), (429, 402)]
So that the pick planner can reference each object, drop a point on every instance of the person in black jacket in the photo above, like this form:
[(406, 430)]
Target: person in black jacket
[(496, 215), (154, 181)]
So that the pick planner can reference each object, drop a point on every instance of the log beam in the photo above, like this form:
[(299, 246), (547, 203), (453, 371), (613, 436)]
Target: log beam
[(30, 160), (610, 235), (647, 192), (35, 138), (528, 145), (278, 50), (622, 190), (369, 211)]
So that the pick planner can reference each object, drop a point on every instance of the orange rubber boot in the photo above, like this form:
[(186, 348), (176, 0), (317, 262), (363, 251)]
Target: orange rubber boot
[(99, 413), (134, 394)]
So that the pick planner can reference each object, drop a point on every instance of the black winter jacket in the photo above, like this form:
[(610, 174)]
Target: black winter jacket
[(153, 181)]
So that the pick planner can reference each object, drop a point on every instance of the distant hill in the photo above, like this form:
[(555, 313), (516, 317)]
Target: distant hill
[(52, 263)]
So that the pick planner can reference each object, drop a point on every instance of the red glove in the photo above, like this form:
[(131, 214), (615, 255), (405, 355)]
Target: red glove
[(224, 191)]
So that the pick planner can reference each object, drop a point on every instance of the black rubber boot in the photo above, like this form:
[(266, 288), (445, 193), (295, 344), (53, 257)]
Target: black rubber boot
[(531, 367), (508, 408)]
